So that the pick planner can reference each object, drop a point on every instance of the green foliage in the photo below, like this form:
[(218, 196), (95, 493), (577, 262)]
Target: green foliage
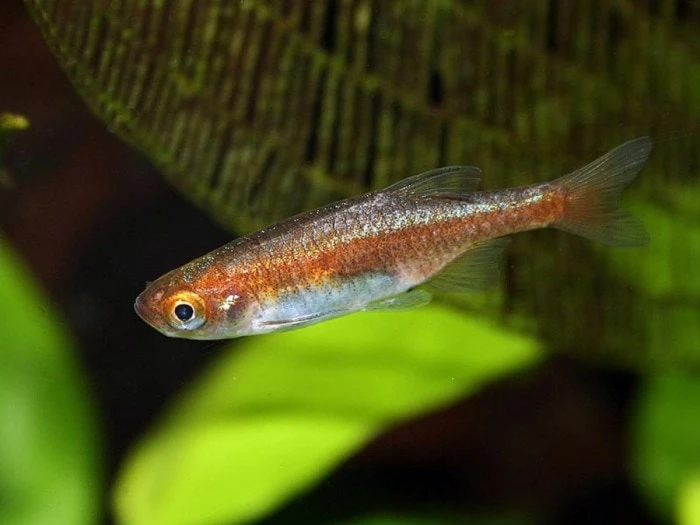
[(667, 448), (269, 421), (9, 124), (668, 306), (241, 103), (13, 122), (689, 506), (48, 456)]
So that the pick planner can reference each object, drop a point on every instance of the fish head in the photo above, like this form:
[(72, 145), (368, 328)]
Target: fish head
[(202, 307)]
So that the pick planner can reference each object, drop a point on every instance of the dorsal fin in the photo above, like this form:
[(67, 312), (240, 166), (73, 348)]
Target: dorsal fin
[(451, 180), (476, 270)]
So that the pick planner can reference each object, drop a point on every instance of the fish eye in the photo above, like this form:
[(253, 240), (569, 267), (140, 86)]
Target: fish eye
[(186, 311)]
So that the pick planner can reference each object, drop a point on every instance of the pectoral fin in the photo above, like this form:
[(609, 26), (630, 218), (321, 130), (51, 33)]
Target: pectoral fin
[(298, 322), (405, 301)]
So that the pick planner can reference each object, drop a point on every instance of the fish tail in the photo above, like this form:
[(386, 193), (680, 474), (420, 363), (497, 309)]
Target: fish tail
[(592, 196)]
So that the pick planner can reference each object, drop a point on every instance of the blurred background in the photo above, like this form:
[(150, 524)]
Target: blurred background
[(570, 396)]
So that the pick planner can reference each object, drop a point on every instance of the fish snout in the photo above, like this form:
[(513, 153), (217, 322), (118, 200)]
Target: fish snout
[(141, 307)]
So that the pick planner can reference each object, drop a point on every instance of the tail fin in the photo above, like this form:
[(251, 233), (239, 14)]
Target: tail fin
[(592, 207)]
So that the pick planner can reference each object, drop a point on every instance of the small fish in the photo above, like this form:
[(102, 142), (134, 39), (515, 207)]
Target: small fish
[(386, 250)]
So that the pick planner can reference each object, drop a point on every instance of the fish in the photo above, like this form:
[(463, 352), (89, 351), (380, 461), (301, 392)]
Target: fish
[(387, 250)]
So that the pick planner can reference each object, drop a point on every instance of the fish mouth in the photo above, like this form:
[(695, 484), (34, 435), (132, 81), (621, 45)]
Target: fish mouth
[(141, 309)]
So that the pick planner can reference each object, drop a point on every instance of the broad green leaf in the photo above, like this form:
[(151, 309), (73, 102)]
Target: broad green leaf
[(267, 422), (689, 505), (666, 312), (48, 457), (257, 109), (667, 443)]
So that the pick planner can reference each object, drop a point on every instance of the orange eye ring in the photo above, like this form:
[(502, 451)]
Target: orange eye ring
[(186, 311)]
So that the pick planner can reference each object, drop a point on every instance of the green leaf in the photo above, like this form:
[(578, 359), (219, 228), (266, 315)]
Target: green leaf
[(667, 306), (667, 443), (9, 124), (257, 109), (267, 422), (48, 456), (13, 122), (689, 506)]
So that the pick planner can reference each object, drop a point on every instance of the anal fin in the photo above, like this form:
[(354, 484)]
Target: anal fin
[(476, 270), (405, 301)]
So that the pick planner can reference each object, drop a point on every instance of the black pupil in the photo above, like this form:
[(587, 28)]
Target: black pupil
[(184, 312)]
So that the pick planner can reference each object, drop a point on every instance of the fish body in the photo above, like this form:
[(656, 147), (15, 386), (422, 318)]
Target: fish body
[(385, 249)]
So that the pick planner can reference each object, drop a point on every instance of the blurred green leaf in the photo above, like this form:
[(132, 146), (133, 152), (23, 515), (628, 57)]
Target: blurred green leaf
[(257, 109), (667, 448), (13, 122), (266, 423), (48, 457), (652, 270), (9, 124), (667, 306), (689, 506)]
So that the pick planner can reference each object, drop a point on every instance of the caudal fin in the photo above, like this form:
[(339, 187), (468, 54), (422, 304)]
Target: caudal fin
[(592, 207)]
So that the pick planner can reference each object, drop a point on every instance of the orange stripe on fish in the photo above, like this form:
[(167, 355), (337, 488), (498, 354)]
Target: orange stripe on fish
[(386, 250)]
